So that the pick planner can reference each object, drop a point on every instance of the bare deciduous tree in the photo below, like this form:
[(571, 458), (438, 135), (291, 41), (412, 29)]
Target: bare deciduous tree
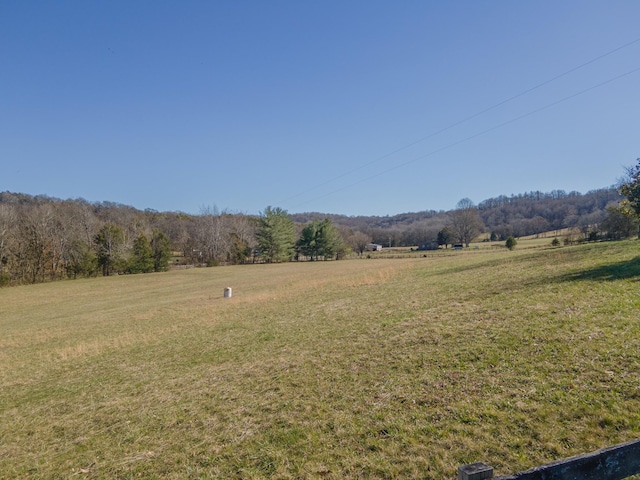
[(358, 241), (7, 224), (465, 221)]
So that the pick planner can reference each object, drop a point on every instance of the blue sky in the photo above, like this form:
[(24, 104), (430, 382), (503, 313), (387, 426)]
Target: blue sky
[(316, 106)]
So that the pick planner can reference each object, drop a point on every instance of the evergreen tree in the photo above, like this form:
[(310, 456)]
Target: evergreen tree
[(109, 243), (320, 239), (330, 240), (630, 188), (81, 260), (161, 251), (276, 235), (142, 257), (445, 237), (307, 243)]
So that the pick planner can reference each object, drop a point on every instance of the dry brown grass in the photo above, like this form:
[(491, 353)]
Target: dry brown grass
[(401, 368)]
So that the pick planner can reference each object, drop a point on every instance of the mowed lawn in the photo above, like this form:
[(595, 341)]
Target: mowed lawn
[(372, 368)]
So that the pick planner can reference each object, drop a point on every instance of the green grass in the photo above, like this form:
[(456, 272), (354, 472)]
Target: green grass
[(390, 368)]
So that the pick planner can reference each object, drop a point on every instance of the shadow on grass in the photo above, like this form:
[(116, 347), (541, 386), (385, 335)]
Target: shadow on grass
[(614, 271)]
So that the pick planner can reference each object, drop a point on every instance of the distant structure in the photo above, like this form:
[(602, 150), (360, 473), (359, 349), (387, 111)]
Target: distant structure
[(373, 247)]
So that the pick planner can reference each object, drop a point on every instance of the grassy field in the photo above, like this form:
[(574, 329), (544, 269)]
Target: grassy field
[(371, 368)]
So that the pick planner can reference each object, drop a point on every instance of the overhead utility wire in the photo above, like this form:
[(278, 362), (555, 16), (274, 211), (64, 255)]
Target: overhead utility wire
[(479, 134), (464, 120)]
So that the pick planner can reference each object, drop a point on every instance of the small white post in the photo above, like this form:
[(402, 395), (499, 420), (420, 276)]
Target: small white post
[(227, 292)]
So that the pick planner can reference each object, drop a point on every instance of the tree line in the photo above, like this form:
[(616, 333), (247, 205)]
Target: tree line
[(43, 238)]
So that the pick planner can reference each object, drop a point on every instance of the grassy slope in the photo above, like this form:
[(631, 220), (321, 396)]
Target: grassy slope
[(402, 368)]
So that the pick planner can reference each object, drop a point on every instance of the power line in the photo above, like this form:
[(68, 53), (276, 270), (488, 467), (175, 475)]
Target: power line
[(474, 136), (460, 122)]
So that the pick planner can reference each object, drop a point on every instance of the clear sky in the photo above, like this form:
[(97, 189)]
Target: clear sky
[(330, 106)]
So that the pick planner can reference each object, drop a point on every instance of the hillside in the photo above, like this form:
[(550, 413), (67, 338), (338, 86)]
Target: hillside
[(518, 215)]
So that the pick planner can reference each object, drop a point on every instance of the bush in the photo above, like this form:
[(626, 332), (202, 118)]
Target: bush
[(511, 243)]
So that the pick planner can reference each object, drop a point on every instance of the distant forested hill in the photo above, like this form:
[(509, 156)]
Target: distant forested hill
[(517, 215), (44, 238)]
